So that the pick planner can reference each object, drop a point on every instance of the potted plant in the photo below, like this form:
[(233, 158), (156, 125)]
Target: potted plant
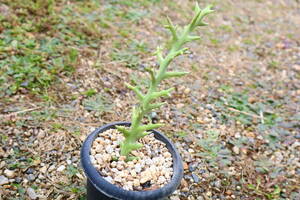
[(130, 160)]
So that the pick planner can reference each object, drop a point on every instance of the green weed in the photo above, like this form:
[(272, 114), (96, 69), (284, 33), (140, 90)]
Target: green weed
[(130, 55), (98, 103), (90, 92), (213, 151), (275, 194), (237, 106)]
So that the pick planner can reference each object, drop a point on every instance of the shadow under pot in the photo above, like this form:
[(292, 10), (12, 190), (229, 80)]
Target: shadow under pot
[(100, 189)]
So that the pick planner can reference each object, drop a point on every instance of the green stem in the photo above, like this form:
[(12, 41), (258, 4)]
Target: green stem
[(135, 132)]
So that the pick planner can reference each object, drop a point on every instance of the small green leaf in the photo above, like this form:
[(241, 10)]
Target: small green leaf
[(136, 90), (174, 74), (149, 127)]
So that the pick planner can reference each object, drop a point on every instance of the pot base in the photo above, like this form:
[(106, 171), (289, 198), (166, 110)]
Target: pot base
[(94, 194)]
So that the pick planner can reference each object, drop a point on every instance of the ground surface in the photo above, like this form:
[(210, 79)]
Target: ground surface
[(234, 118)]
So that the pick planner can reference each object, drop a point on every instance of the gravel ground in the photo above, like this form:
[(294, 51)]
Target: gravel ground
[(234, 118)]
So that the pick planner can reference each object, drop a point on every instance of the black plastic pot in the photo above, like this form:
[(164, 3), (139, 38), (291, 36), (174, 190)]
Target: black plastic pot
[(100, 189)]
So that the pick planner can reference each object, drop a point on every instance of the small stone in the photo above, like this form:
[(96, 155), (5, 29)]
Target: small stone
[(167, 155), (133, 173), (149, 162), (98, 157), (153, 115), (296, 67), (109, 179), (187, 91), (106, 158), (180, 105), (185, 166), (236, 150), (61, 168), (3, 180), (136, 183), (129, 185), (30, 171), (27, 133), (174, 198), (184, 183), (113, 164), (209, 193), (109, 149), (200, 198), (9, 173), (144, 179), (228, 192), (43, 169), (100, 141), (115, 170), (192, 167), (120, 167), (278, 156), (195, 178), (135, 153), (191, 150), (118, 179), (161, 180), (31, 193), (122, 158), (41, 134), (216, 184), (31, 177), (138, 168)]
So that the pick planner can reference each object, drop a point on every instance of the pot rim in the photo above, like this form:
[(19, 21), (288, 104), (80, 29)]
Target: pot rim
[(115, 191)]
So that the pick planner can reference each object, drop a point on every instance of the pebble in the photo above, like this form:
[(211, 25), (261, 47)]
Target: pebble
[(185, 166), (184, 183), (31, 193), (236, 150), (174, 198), (31, 177), (161, 180), (61, 168), (18, 180), (9, 173), (195, 178), (43, 169), (200, 198), (192, 167), (109, 149), (51, 168), (30, 171), (109, 179), (216, 184), (138, 168), (3, 180)]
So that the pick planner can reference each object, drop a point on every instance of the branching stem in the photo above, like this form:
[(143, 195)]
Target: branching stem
[(179, 38)]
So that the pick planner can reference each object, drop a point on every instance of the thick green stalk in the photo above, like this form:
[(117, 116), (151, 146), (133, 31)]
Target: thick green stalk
[(179, 38)]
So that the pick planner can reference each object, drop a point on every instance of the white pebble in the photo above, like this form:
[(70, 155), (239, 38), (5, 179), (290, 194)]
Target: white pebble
[(61, 168), (31, 193)]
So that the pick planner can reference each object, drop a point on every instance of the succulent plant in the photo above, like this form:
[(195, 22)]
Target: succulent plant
[(180, 36)]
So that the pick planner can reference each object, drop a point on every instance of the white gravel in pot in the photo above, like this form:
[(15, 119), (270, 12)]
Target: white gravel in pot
[(152, 170)]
